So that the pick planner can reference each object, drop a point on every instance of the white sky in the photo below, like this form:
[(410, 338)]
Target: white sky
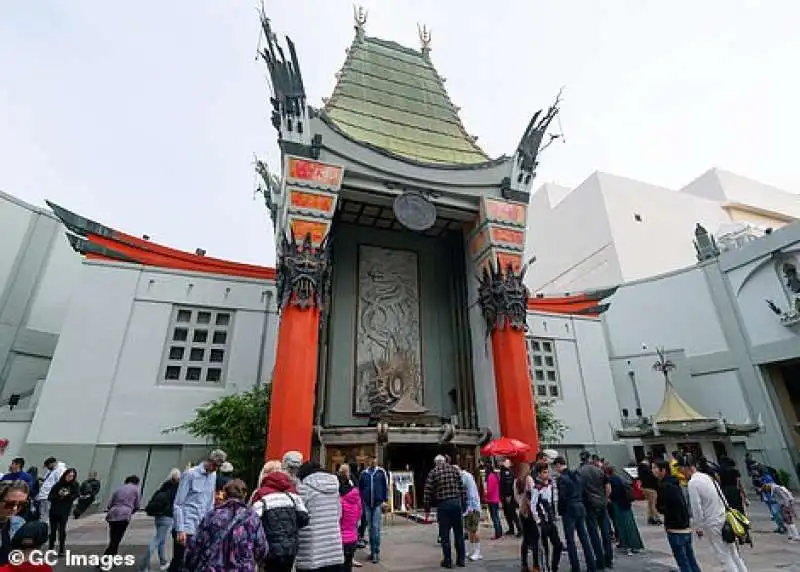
[(145, 115)]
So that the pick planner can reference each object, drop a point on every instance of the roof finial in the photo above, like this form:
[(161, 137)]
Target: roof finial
[(359, 19), (424, 38)]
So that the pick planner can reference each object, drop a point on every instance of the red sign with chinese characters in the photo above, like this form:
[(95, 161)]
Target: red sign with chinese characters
[(314, 172)]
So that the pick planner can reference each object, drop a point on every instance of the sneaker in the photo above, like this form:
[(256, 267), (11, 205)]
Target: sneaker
[(475, 556), (164, 567), (357, 564), (445, 564)]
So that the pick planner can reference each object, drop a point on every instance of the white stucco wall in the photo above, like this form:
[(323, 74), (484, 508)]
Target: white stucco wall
[(674, 311), (569, 233), (14, 220), (110, 355), (588, 402)]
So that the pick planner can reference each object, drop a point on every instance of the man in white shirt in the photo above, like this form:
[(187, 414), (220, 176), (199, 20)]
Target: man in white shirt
[(708, 514), (54, 471), (472, 514)]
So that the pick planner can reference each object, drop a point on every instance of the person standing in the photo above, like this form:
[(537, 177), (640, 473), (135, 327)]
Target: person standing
[(544, 512), (54, 472), (523, 490), (224, 476), (672, 504), (229, 538), (573, 514), (194, 499), (60, 498), (374, 488), (509, 504), (628, 537), (493, 498), (320, 547), (16, 472), (123, 503), (87, 494), (283, 514), (160, 507), (708, 514), (472, 514), (351, 515), (649, 488), (597, 490), (445, 490), (730, 480)]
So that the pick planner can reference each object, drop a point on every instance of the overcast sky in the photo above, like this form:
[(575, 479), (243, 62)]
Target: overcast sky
[(146, 115)]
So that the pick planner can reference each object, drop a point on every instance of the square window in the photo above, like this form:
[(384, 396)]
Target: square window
[(541, 391), (553, 391), (547, 347), (223, 319), (197, 354), (548, 361), (184, 316), (539, 374), (173, 372), (180, 334), (203, 317), (551, 375), (536, 346), (216, 356), (213, 374), (220, 337), (193, 374), (537, 361), (176, 352), (200, 336)]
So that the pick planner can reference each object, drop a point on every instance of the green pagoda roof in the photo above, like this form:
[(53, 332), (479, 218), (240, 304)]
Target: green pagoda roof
[(390, 97)]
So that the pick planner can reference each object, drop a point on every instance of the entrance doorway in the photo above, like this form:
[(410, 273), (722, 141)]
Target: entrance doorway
[(417, 459)]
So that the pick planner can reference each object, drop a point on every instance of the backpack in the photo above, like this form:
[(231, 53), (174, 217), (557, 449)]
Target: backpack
[(159, 504)]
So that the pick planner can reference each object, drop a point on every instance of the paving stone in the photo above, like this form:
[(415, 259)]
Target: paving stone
[(411, 547)]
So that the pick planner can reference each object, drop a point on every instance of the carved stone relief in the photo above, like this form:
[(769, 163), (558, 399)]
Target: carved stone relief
[(388, 346)]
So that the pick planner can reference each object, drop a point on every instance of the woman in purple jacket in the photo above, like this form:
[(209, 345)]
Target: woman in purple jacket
[(123, 503)]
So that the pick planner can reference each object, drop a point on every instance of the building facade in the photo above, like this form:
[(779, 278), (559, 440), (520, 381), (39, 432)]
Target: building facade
[(630, 230), (38, 274)]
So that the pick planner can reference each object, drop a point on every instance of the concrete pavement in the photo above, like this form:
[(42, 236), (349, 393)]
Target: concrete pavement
[(411, 547)]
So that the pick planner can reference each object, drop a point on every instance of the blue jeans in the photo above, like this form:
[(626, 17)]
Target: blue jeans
[(494, 512), (681, 545), (599, 528), (575, 521), (374, 515), (163, 526), (775, 511)]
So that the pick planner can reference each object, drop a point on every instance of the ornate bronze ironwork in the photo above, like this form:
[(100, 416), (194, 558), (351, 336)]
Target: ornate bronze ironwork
[(530, 146), (289, 99), (503, 298), (303, 273)]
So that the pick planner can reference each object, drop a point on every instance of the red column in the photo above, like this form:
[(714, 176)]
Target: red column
[(294, 381), (515, 403)]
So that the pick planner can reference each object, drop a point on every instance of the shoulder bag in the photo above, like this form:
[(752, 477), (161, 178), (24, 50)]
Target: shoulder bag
[(736, 524)]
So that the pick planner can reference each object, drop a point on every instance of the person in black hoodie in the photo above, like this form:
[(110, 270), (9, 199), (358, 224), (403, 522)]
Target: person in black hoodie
[(88, 491), (507, 498), (61, 497), (160, 508), (573, 514), (672, 504)]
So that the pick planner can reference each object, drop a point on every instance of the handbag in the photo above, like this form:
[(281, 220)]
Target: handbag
[(736, 524)]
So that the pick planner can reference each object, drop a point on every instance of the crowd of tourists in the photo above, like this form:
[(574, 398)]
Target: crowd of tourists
[(302, 517)]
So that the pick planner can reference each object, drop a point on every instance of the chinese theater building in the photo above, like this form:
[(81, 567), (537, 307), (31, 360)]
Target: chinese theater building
[(400, 264)]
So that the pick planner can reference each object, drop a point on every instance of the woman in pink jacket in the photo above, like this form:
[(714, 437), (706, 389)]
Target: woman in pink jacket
[(351, 515), (493, 498)]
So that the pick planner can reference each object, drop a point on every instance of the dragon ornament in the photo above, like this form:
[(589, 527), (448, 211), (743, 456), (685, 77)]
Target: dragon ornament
[(503, 298), (303, 273)]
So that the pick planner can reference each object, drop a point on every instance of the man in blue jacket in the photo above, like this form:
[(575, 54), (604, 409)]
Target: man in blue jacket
[(374, 488)]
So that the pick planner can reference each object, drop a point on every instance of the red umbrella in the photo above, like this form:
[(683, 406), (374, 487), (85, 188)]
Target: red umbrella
[(505, 447)]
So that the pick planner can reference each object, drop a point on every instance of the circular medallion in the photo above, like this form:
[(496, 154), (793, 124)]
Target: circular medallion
[(414, 211)]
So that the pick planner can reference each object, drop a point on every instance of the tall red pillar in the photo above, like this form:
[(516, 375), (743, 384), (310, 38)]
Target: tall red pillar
[(515, 402), (497, 244), (294, 382), (310, 194)]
